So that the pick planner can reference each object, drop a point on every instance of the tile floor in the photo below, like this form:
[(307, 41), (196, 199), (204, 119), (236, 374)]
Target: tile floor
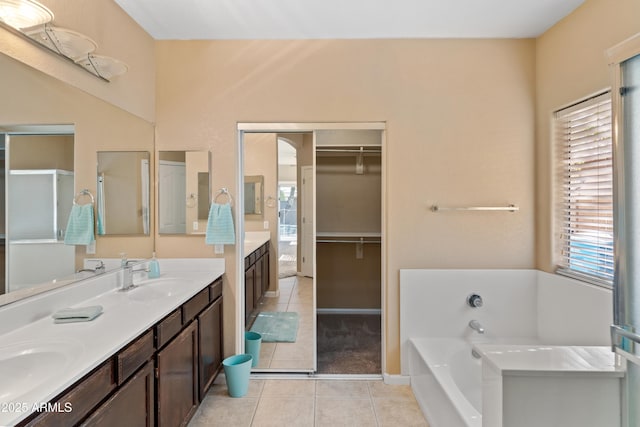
[(311, 402), (296, 294)]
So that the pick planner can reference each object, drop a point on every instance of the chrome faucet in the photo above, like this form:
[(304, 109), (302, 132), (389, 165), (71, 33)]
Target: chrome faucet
[(127, 274), (100, 268), (476, 326)]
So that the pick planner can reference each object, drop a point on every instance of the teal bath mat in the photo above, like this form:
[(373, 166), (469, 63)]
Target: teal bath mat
[(276, 326)]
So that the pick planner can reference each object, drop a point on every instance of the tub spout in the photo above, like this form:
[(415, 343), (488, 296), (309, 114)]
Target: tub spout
[(476, 326)]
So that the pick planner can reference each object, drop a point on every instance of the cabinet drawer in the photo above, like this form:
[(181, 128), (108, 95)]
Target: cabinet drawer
[(168, 328), (195, 305), (215, 290), (81, 398), (263, 249), (134, 356), (131, 405)]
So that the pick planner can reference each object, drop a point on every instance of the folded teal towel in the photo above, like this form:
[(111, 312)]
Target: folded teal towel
[(78, 314), (80, 226), (220, 229)]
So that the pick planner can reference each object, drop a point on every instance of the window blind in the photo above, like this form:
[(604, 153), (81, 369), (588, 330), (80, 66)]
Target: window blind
[(583, 134)]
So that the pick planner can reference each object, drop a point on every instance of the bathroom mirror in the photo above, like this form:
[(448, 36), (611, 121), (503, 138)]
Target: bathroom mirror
[(253, 196), (183, 192), (47, 107), (123, 193)]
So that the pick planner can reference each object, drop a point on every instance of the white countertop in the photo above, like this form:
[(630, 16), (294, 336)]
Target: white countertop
[(254, 239), (538, 360), (88, 344)]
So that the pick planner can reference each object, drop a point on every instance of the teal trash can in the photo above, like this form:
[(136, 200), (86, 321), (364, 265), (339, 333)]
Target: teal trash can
[(237, 370), (252, 342)]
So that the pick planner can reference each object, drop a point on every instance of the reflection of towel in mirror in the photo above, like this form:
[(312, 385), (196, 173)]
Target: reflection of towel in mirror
[(220, 229), (80, 226)]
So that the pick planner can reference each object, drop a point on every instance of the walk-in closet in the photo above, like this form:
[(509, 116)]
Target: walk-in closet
[(348, 251)]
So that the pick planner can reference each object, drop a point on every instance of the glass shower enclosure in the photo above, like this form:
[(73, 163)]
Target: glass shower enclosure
[(625, 332)]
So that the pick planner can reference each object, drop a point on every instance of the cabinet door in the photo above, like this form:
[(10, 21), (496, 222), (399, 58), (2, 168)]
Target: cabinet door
[(249, 277), (210, 344), (132, 405), (265, 271), (257, 282), (177, 382)]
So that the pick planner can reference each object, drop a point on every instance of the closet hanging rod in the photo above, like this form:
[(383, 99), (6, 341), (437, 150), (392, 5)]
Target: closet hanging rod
[(348, 241), (509, 208), (375, 150)]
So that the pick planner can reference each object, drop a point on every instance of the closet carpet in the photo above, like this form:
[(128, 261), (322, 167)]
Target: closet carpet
[(349, 344)]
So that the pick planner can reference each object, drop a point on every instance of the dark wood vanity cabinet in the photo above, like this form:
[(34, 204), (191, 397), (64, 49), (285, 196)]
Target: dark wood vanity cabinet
[(177, 378), (158, 379), (256, 281), (132, 405), (210, 340)]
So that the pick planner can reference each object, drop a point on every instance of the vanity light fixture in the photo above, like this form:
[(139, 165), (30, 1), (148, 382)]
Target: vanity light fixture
[(33, 20), (103, 66), (66, 42), (22, 14)]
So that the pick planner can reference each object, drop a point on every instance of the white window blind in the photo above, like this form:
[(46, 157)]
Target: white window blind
[(583, 134)]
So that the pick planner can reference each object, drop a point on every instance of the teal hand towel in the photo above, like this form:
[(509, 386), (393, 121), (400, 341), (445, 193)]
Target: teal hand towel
[(220, 229), (78, 314), (80, 226)]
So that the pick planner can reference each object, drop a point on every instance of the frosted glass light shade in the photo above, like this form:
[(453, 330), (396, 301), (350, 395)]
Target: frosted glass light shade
[(22, 14), (103, 66), (66, 42)]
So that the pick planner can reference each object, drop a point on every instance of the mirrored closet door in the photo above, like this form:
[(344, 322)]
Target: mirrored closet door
[(320, 215)]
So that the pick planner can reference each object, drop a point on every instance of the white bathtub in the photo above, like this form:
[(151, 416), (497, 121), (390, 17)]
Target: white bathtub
[(447, 381), (520, 307), (445, 375)]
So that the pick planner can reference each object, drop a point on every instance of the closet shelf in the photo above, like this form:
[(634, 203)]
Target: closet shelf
[(346, 234)]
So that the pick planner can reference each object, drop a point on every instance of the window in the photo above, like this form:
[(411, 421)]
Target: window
[(585, 190)]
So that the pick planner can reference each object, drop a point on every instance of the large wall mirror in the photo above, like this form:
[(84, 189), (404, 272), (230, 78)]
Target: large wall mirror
[(123, 193), (50, 133), (253, 196), (183, 191)]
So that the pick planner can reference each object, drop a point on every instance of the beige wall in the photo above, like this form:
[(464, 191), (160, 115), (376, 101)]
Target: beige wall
[(571, 65), (460, 126), (42, 152), (261, 158)]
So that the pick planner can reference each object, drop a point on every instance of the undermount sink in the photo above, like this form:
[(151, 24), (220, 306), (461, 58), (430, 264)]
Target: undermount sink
[(155, 289), (27, 365)]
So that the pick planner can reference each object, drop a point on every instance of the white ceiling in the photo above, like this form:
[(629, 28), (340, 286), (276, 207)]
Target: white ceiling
[(345, 19)]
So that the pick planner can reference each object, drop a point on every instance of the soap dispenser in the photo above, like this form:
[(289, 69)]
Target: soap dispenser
[(154, 267)]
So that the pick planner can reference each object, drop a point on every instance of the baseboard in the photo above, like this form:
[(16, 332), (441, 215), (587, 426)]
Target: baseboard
[(348, 311), (272, 294), (396, 379)]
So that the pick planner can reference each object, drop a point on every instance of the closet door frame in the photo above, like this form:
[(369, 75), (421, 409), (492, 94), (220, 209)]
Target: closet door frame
[(293, 127)]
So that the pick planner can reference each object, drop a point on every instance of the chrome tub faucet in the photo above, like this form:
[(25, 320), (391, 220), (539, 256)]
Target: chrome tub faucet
[(476, 326)]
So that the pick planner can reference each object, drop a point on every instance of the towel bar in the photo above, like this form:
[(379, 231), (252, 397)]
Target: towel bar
[(84, 192)]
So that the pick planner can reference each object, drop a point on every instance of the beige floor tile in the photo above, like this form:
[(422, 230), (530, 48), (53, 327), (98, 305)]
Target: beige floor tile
[(340, 388), (234, 412), (219, 390), (301, 364), (284, 411), (289, 388), (380, 389), (344, 412), (392, 411), (301, 349)]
